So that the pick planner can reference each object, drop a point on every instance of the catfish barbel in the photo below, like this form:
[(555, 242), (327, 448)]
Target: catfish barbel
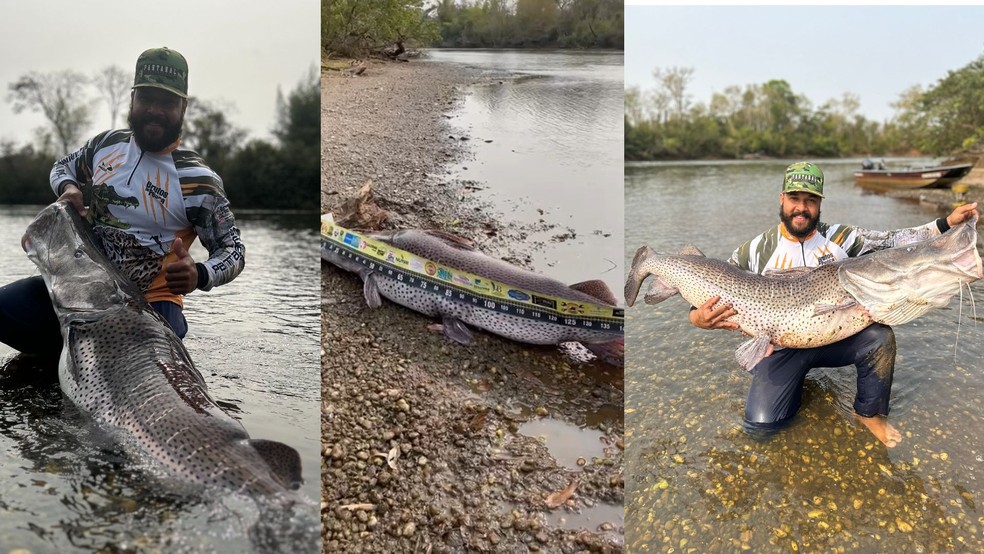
[(454, 299), (122, 365), (810, 307)]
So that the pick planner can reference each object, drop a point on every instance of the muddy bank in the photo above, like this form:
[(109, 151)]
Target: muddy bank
[(428, 445)]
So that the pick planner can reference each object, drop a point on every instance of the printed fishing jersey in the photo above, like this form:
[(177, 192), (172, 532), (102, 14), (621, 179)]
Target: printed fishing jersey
[(141, 201), (777, 249)]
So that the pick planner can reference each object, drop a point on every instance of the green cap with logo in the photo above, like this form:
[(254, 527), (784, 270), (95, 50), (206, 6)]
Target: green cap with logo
[(162, 68), (803, 177)]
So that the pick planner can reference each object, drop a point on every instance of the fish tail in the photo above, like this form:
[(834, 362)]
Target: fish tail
[(637, 274)]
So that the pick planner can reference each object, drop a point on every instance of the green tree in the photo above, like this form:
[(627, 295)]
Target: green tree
[(209, 132), (356, 28), (952, 111)]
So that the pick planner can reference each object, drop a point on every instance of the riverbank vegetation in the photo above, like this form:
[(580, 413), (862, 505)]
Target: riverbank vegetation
[(771, 119), (283, 174), (359, 28)]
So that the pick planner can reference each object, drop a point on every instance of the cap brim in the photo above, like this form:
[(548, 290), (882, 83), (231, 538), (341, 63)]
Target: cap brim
[(162, 87)]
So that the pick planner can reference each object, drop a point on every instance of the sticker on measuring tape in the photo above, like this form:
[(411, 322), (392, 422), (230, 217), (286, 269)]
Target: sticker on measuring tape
[(459, 286)]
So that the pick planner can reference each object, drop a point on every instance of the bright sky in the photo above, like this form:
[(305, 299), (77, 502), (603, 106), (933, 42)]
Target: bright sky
[(238, 52), (876, 52)]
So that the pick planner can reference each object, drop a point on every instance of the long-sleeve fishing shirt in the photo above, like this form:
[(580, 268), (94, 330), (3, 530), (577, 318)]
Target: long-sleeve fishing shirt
[(140, 202)]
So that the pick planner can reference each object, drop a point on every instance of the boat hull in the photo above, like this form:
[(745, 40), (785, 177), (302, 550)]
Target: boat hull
[(926, 177)]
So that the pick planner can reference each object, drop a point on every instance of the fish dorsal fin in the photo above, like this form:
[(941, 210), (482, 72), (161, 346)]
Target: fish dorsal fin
[(596, 288), (789, 273), (455, 241), (690, 250), (284, 461)]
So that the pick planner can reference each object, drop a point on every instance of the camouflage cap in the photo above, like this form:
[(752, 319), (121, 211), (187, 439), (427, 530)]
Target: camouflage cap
[(803, 177), (162, 68)]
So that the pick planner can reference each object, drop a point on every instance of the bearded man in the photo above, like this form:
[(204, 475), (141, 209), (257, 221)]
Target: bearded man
[(149, 199), (802, 240)]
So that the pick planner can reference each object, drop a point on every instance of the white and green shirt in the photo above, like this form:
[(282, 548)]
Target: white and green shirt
[(777, 249)]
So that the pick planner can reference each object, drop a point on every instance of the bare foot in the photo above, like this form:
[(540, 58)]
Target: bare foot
[(882, 429)]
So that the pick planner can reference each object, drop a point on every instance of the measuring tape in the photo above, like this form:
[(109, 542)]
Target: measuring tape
[(397, 264)]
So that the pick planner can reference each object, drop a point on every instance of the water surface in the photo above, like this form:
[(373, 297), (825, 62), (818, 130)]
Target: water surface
[(67, 486), (547, 147), (696, 482)]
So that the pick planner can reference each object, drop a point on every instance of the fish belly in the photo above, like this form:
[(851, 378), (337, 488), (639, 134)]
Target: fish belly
[(521, 329), (134, 377)]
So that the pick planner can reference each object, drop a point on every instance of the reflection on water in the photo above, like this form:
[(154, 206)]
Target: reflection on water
[(66, 484), (547, 147), (697, 482)]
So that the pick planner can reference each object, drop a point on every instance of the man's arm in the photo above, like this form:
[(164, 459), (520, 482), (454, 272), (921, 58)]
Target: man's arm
[(68, 174), (861, 241), (217, 231)]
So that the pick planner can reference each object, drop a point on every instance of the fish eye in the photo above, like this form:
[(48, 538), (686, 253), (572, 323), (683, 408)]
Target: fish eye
[(79, 253)]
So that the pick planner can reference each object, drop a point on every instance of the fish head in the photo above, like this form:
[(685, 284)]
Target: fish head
[(77, 273)]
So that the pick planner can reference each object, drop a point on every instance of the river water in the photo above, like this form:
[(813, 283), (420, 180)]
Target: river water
[(547, 153), (67, 487), (698, 483)]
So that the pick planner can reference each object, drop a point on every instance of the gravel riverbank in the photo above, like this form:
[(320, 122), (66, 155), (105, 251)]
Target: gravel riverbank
[(427, 445)]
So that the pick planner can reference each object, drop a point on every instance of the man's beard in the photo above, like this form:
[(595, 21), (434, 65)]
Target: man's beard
[(787, 221), (170, 134)]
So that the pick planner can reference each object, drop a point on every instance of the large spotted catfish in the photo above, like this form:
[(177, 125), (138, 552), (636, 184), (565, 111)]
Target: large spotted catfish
[(457, 253), (123, 365), (809, 307)]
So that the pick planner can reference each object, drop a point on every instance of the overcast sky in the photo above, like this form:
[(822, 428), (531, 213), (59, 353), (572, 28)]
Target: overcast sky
[(238, 52), (876, 52)]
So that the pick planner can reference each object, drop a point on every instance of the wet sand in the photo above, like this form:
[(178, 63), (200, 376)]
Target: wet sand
[(422, 448)]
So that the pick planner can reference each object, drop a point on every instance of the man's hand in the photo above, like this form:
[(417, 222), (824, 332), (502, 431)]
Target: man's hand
[(708, 317), (961, 214), (73, 195), (181, 275)]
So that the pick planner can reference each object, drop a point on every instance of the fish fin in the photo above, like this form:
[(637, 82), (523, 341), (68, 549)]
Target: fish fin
[(596, 288), (456, 330), (659, 291), (284, 461), (788, 273), (637, 274), (752, 351), (894, 301), (690, 250), (611, 352), (820, 309), (370, 289), (455, 241)]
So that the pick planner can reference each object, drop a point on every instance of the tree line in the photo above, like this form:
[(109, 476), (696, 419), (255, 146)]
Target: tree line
[(279, 175), (771, 119), (357, 28)]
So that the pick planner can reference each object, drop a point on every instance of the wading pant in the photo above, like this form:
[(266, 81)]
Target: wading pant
[(28, 322), (777, 381)]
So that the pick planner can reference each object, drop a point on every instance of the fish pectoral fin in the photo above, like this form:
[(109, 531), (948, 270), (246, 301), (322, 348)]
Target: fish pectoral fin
[(753, 351), (284, 461), (456, 330), (821, 309), (596, 288), (370, 289), (611, 352), (659, 291)]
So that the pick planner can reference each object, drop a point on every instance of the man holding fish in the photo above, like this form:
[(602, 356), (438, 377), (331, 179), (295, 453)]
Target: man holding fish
[(801, 240), (150, 198)]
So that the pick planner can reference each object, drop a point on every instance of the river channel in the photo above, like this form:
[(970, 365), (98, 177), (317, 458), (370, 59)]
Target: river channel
[(68, 487), (547, 155), (696, 482)]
